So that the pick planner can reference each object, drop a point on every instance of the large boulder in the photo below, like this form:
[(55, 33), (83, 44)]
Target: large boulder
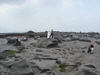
[(31, 34), (17, 43), (47, 43), (58, 36), (22, 67), (20, 48), (14, 41), (86, 70), (7, 53), (42, 34)]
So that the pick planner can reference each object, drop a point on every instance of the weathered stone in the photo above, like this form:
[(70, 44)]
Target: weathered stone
[(39, 50), (7, 53), (17, 43), (58, 61), (90, 66), (85, 72), (3, 55), (22, 68), (3, 70), (47, 43), (12, 40), (59, 38), (80, 39)]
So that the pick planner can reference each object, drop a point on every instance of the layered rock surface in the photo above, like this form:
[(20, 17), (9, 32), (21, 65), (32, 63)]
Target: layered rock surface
[(43, 56)]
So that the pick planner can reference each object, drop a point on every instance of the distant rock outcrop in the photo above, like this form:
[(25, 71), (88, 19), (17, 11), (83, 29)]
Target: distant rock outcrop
[(80, 39), (59, 37), (30, 34), (14, 41), (47, 43)]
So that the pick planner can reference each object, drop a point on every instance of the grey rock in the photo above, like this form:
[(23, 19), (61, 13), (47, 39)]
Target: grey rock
[(80, 39), (85, 72), (98, 42), (3, 70), (3, 56), (59, 38), (14, 41), (11, 40), (58, 62), (17, 43), (22, 67), (47, 43), (90, 66), (6, 53), (20, 48)]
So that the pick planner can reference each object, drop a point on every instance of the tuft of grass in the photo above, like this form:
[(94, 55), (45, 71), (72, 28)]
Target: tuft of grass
[(62, 67), (12, 53)]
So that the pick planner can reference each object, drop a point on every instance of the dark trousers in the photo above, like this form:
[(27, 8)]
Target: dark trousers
[(89, 50)]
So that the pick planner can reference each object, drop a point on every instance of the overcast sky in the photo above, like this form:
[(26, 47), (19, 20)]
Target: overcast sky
[(42, 15)]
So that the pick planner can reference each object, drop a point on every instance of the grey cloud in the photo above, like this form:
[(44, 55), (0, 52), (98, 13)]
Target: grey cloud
[(11, 1), (47, 14), (51, 2)]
